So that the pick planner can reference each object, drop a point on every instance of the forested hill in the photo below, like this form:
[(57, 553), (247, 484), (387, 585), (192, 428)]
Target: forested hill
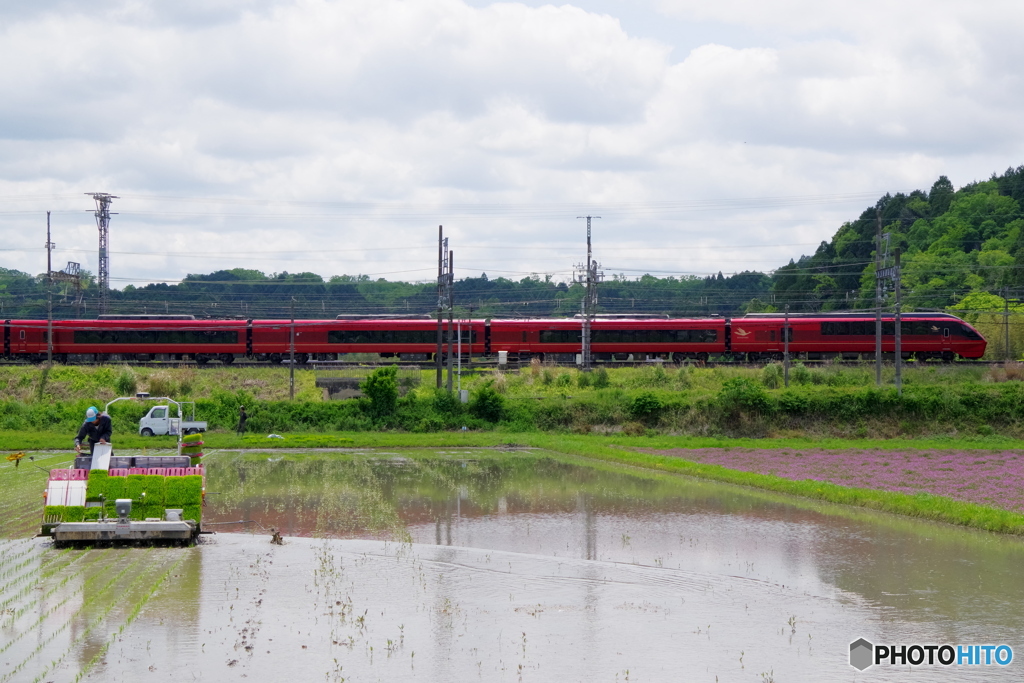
[(954, 244), (960, 249)]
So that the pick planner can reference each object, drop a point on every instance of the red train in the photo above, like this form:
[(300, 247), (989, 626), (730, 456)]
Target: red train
[(755, 337)]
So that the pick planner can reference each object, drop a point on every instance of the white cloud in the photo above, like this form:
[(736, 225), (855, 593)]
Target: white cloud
[(362, 125)]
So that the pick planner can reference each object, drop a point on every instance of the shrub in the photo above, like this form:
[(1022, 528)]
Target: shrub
[(772, 375), (740, 393), (446, 403), (800, 374), (546, 377), (381, 387), (564, 380), (583, 380), (487, 404), (601, 380), (126, 383), (645, 406)]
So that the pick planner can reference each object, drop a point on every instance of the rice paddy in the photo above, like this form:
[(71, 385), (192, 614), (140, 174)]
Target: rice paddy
[(487, 564)]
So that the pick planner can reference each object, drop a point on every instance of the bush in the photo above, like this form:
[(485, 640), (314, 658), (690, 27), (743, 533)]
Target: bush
[(645, 406), (487, 404), (800, 374), (126, 383), (381, 387), (601, 380), (772, 375), (741, 394), (583, 380), (446, 403)]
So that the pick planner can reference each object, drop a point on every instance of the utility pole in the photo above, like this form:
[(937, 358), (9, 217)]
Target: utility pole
[(878, 298), (49, 294), (897, 281), (1006, 322), (441, 246), (785, 353), (450, 283), (103, 215), (291, 356), (588, 275)]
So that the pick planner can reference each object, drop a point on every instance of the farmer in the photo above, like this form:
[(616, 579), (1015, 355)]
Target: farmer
[(97, 428), (242, 417)]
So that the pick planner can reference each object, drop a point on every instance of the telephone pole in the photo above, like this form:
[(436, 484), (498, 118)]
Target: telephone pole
[(49, 294), (103, 215), (878, 297), (291, 356), (899, 326), (785, 353), (588, 275), (451, 313)]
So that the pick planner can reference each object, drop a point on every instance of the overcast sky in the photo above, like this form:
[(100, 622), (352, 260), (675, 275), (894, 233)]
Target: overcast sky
[(335, 137)]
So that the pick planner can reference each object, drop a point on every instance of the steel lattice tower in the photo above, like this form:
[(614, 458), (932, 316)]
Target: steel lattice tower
[(103, 215)]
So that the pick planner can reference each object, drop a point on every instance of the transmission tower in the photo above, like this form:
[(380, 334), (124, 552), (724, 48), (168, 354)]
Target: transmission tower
[(588, 274), (103, 215)]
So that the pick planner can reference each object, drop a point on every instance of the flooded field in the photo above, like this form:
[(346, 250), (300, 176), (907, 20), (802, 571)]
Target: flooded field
[(486, 565)]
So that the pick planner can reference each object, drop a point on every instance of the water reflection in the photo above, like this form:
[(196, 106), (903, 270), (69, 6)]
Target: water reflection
[(960, 582)]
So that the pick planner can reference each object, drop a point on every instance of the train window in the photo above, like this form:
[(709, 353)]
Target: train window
[(567, 336), (156, 336), (395, 336), (21, 334), (969, 333), (606, 336), (945, 332), (772, 335), (787, 332), (524, 336)]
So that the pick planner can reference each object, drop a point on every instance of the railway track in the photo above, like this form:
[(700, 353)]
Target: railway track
[(491, 364)]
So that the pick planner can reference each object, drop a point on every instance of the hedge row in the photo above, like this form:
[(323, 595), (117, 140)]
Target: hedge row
[(996, 404)]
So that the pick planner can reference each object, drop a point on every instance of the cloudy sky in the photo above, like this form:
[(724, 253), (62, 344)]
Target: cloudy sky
[(334, 137)]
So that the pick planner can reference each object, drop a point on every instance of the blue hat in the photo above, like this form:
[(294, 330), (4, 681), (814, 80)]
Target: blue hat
[(90, 414)]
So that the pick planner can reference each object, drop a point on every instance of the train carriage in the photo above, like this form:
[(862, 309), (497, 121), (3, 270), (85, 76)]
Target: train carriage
[(923, 336), (754, 338), (406, 339)]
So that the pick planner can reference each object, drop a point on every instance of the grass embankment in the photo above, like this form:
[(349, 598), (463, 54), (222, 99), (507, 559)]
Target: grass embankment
[(832, 401)]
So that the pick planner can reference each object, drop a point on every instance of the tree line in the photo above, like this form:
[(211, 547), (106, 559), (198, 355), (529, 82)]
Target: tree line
[(961, 250)]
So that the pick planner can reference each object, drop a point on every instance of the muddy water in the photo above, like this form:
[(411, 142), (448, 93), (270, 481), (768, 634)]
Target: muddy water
[(476, 565)]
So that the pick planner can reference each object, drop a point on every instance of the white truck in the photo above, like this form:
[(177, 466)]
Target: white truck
[(158, 422)]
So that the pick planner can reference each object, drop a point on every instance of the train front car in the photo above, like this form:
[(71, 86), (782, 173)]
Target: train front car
[(851, 336)]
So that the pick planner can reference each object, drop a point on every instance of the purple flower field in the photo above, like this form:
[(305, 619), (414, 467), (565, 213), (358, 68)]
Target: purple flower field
[(985, 477)]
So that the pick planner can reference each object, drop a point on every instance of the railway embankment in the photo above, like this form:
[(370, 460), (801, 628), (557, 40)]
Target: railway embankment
[(954, 401)]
